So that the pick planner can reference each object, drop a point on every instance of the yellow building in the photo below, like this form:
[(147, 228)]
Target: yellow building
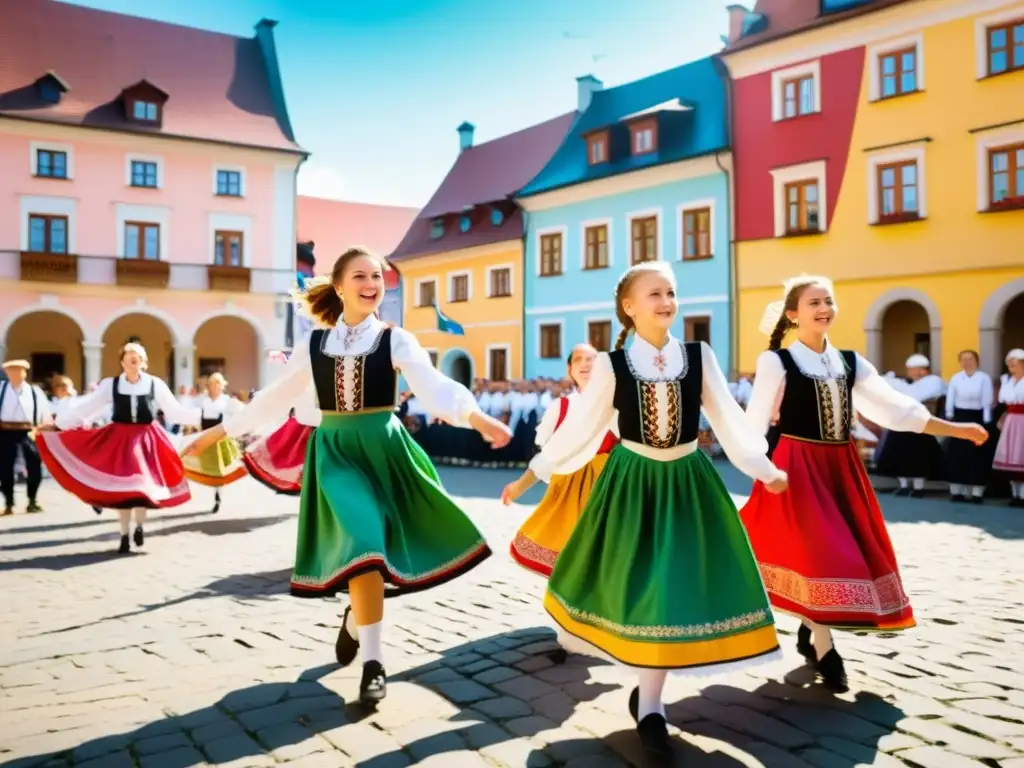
[(884, 148), (462, 258)]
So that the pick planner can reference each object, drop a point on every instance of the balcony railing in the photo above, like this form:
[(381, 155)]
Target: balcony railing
[(141, 273)]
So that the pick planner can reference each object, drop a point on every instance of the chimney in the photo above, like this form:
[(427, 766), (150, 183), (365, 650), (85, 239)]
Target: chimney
[(737, 15), (465, 136), (586, 87)]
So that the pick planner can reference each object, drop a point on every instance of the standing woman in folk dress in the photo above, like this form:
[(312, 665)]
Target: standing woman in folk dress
[(822, 545), (221, 464), (969, 399), (1009, 458), (374, 520)]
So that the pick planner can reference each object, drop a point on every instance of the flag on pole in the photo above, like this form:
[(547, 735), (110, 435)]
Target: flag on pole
[(446, 325)]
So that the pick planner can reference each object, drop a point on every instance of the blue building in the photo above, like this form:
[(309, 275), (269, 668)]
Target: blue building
[(644, 174)]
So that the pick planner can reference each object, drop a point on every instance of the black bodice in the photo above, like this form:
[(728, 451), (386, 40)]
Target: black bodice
[(808, 411), (636, 401), (374, 379), (145, 405)]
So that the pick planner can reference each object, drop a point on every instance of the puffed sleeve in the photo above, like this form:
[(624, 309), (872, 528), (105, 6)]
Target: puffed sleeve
[(272, 403), (89, 407), (951, 397), (442, 397), (579, 437), (766, 395), (1006, 388), (546, 427), (987, 396), (745, 446), (175, 412), (880, 403)]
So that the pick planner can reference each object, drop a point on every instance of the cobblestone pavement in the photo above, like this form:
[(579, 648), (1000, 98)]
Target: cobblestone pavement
[(194, 654)]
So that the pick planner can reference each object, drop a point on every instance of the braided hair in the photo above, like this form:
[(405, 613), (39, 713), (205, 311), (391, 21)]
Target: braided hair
[(622, 290), (784, 325)]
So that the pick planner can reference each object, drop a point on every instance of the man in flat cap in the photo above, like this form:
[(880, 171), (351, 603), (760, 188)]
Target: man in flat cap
[(23, 407)]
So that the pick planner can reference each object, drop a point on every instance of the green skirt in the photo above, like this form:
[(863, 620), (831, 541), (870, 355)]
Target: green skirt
[(658, 571), (372, 501), (218, 465)]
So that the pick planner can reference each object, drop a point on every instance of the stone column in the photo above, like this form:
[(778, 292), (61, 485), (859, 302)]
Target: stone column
[(184, 365), (92, 371), (263, 367)]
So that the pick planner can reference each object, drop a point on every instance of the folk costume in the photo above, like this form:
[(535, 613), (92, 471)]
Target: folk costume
[(276, 460), (129, 464), (1009, 456), (545, 532), (21, 411), (220, 464), (968, 467)]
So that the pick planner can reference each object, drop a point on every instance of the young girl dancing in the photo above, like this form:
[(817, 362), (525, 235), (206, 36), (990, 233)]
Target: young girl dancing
[(129, 464), (822, 546), (220, 464), (658, 574), (373, 517)]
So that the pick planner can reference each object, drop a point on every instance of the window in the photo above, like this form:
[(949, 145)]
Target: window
[(47, 234), (428, 293), (643, 137), (229, 183), (596, 247), (697, 329), (145, 111), (501, 282), (898, 191), (645, 239), (141, 240), (437, 228), (551, 341), (144, 174), (599, 334), (497, 364), (51, 164), (460, 288), (1005, 47), (798, 97), (465, 223), (796, 91), (227, 248), (802, 207), (697, 234), (897, 73), (551, 254), (1006, 175), (597, 148), (497, 217)]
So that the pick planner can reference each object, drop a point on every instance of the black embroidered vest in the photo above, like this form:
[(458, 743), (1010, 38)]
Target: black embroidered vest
[(637, 402), (807, 411), (145, 406), (374, 379)]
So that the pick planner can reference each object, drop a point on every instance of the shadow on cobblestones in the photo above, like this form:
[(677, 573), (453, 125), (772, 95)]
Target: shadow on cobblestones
[(92, 521)]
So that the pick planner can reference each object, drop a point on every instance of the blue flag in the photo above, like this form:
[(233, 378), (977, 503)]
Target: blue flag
[(446, 325)]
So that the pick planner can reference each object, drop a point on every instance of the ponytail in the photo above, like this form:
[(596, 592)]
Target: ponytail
[(322, 304), (779, 333)]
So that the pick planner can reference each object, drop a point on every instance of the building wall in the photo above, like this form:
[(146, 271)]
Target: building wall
[(488, 321), (959, 266), (580, 296)]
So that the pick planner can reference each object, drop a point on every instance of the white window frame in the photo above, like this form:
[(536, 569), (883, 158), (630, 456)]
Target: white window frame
[(984, 142), (876, 52), (779, 76), (645, 214), (144, 214), (231, 222), (450, 279), (698, 314), (50, 146), (584, 226), (511, 280), (508, 359), (557, 230), (640, 147), (134, 158), (242, 181), (886, 157), (416, 295), (588, 321), (49, 206), (560, 322), (793, 173), (981, 27), (691, 205)]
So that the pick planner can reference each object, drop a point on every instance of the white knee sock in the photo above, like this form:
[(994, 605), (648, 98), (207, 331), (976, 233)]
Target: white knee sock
[(978, 491), (1018, 489), (124, 517), (652, 682), (821, 638), (904, 483), (918, 483), (141, 514), (955, 489), (369, 642)]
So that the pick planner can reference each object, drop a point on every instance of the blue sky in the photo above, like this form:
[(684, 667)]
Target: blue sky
[(376, 89)]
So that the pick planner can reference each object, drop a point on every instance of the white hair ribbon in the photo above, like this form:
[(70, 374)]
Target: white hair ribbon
[(773, 312)]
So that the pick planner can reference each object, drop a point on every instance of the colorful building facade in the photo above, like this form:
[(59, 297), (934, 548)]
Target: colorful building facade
[(147, 191), (882, 144), (463, 255), (644, 175)]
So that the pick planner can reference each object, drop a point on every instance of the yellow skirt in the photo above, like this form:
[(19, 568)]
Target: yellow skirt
[(219, 465), (546, 531)]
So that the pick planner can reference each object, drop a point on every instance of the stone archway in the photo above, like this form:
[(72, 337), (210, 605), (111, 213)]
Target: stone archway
[(1001, 325), (150, 331), (231, 345), (458, 365), (899, 323), (52, 342)]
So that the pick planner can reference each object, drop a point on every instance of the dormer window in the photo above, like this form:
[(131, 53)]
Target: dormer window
[(144, 103), (597, 148), (464, 223), (497, 216), (51, 88), (437, 228), (643, 137), (145, 111)]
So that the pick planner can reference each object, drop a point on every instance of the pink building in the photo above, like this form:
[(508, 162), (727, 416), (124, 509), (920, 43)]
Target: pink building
[(148, 190)]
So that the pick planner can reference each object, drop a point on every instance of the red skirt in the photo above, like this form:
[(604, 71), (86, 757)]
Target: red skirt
[(118, 466), (277, 459), (822, 546)]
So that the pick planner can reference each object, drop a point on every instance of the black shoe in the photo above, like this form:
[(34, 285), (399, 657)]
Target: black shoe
[(8, 510), (559, 655), (958, 498), (977, 500), (804, 646), (634, 704), (216, 503), (917, 493), (901, 492), (139, 536), (832, 672), (374, 685), (345, 647), (98, 510), (1015, 503), (654, 738), (126, 546), (33, 508)]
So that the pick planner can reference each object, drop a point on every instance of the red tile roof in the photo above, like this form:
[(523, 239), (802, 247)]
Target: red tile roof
[(491, 172), (218, 85)]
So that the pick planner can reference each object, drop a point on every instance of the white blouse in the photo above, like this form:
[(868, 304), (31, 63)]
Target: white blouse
[(873, 397), (1011, 391), (972, 393), (223, 405), (549, 422), (98, 403), (440, 395), (576, 442)]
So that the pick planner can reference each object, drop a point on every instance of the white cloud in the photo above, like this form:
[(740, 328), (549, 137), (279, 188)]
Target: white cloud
[(321, 181)]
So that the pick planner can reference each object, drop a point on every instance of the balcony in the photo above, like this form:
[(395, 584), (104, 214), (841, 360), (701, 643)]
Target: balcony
[(142, 273), (49, 267), (222, 278)]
